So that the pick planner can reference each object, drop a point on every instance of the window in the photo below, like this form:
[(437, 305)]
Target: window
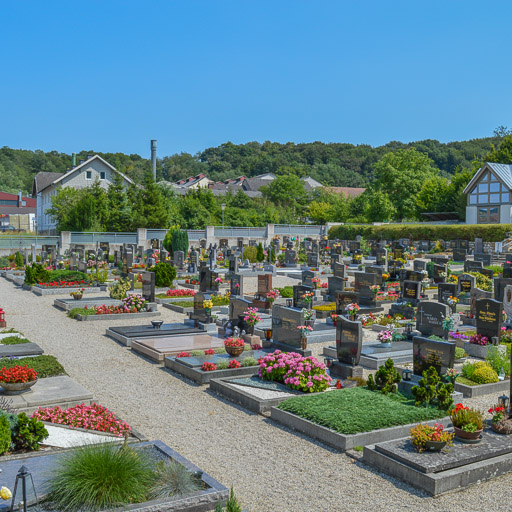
[(489, 215), (102, 175), (88, 175), (489, 190)]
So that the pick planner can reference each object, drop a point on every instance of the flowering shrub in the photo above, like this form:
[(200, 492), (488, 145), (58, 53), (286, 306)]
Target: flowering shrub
[(234, 342), (92, 417), (182, 292), (17, 374), (64, 284), (458, 335), (252, 316), (234, 364), (469, 420), (209, 367), (131, 304), (478, 339), (219, 280), (420, 434), (209, 352), (183, 354), (305, 374), (385, 336), (135, 301)]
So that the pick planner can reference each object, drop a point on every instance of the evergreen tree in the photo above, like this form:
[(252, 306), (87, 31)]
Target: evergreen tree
[(259, 254), (149, 209), (119, 216)]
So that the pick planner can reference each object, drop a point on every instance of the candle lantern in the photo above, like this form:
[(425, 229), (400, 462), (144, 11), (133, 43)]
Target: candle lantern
[(406, 375), (23, 477), (2, 318), (503, 401), (409, 331), (289, 303), (268, 334)]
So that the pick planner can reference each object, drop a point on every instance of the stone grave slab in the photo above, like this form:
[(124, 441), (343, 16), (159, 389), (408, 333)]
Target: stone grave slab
[(68, 304), (125, 334), (21, 350), (158, 349)]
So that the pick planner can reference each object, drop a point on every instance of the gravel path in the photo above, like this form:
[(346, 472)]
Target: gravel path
[(271, 468)]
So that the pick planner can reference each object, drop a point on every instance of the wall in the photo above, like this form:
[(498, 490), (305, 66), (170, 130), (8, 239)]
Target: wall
[(471, 214)]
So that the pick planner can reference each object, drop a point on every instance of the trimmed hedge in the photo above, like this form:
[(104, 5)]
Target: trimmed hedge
[(489, 232)]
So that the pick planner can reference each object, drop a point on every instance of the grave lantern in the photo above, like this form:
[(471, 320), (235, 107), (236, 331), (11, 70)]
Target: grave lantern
[(409, 331), (23, 476), (289, 303), (328, 362), (268, 334), (406, 375), (503, 401), (2, 318)]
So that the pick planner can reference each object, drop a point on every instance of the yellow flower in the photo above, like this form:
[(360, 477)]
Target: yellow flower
[(5, 493)]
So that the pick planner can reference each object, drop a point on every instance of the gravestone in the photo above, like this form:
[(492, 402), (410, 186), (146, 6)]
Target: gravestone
[(413, 275), (411, 291), (489, 317), (419, 265), (464, 244), (430, 316), (439, 270), (289, 257), (483, 257), (339, 270), (374, 269), (479, 245), (72, 261), (179, 259), (339, 250), (427, 353), (499, 287), (445, 291), (237, 307), (354, 246), (335, 284), (343, 299), (398, 252), (487, 273), (284, 326), (373, 249), (473, 266), (82, 266), (477, 294), (307, 278), (466, 283), (298, 300), (357, 257), (507, 272), (148, 286), (199, 313), (382, 257), (236, 286), (233, 264), (349, 341), (362, 283), (264, 285), (155, 244), (459, 254), (312, 259), (507, 302)]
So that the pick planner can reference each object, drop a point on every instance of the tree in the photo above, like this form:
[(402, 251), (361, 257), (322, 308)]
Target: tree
[(176, 240), (379, 207), (259, 254), (433, 196), (320, 212), (119, 211), (149, 210), (502, 155), (401, 175), (288, 189), (502, 131)]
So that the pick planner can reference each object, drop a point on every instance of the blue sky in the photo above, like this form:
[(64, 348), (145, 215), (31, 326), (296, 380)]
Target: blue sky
[(109, 76)]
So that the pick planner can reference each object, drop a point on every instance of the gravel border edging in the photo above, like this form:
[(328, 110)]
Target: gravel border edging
[(345, 442)]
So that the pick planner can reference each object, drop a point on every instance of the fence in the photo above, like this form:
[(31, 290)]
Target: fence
[(113, 238), (25, 242)]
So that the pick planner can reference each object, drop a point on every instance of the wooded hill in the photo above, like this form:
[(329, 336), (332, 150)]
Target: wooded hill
[(334, 164)]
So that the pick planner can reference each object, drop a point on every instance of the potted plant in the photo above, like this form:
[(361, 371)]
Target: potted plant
[(304, 331), (272, 295), (375, 289), (251, 318), (451, 375), (234, 346), (309, 316), (308, 298), (352, 310), (500, 423), (17, 379), (427, 438), (385, 338), (208, 305), (452, 302), (467, 422), (78, 294)]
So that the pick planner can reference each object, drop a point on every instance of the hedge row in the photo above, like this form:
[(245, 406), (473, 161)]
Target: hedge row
[(489, 232)]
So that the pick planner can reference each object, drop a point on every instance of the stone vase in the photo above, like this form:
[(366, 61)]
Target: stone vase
[(234, 351), (16, 388), (304, 343)]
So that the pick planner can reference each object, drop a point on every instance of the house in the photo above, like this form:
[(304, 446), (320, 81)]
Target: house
[(17, 212), (488, 195), (46, 185)]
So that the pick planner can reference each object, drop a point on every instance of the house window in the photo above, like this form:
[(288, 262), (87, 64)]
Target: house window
[(102, 175), (490, 215), (88, 175), (489, 191)]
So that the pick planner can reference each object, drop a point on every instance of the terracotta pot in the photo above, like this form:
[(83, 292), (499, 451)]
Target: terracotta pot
[(472, 436), (234, 351), (16, 388)]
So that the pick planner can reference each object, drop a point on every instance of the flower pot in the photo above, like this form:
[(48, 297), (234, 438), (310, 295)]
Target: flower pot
[(78, 296), (309, 323), (207, 311), (304, 343), (386, 344), (467, 436), (434, 446), (16, 388), (234, 351), (503, 427)]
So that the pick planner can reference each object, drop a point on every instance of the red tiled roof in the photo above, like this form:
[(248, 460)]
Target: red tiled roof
[(31, 203)]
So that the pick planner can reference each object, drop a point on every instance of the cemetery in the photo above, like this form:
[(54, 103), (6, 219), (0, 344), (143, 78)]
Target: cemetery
[(354, 345)]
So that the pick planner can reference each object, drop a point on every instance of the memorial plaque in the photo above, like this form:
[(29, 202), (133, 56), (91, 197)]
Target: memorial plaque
[(236, 286), (298, 299), (284, 326), (427, 353), (343, 299), (148, 286), (445, 291), (459, 254), (413, 275), (466, 283), (430, 316), (489, 317), (411, 291), (349, 341)]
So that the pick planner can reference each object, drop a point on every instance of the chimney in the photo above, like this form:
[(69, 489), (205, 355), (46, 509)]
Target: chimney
[(73, 160), (19, 199), (153, 158)]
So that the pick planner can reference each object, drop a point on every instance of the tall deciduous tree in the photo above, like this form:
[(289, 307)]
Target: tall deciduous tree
[(401, 175)]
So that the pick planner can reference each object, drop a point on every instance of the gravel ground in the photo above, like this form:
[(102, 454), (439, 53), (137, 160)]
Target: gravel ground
[(272, 469)]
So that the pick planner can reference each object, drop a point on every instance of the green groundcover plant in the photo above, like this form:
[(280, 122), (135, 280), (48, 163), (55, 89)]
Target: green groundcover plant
[(354, 410), (45, 366)]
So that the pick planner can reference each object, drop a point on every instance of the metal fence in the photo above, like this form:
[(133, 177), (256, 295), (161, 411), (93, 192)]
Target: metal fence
[(113, 238), (305, 230), (219, 231), (25, 242)]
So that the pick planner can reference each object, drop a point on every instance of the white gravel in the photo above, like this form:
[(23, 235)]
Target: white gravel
[(271, 468)]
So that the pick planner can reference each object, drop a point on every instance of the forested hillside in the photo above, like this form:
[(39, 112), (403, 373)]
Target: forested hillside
[(335, 164)]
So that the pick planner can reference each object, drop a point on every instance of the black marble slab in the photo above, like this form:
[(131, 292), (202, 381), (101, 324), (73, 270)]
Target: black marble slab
[(21, 349), (140, 331), (197, 361)]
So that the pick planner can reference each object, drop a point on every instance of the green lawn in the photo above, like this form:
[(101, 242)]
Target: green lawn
[(354, 410), (467, 382), (45, 366), (13, 340)]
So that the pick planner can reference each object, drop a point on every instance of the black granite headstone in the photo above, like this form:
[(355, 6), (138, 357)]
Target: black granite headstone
[(430, 316), (489, 317), (284, 325), (445, 291), (343, 299), (298, 300), (427, 353), (148, 286), (349, 341)]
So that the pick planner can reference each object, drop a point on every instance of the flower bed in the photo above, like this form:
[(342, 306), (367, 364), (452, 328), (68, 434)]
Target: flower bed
[(65, 284), (91, 417), (180, 292), (44, 366), (17, 374)]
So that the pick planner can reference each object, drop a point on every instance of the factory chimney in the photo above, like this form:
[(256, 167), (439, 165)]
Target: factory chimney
[(153, 158)]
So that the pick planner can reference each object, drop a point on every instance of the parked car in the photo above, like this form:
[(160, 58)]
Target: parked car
[(10, 229)]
